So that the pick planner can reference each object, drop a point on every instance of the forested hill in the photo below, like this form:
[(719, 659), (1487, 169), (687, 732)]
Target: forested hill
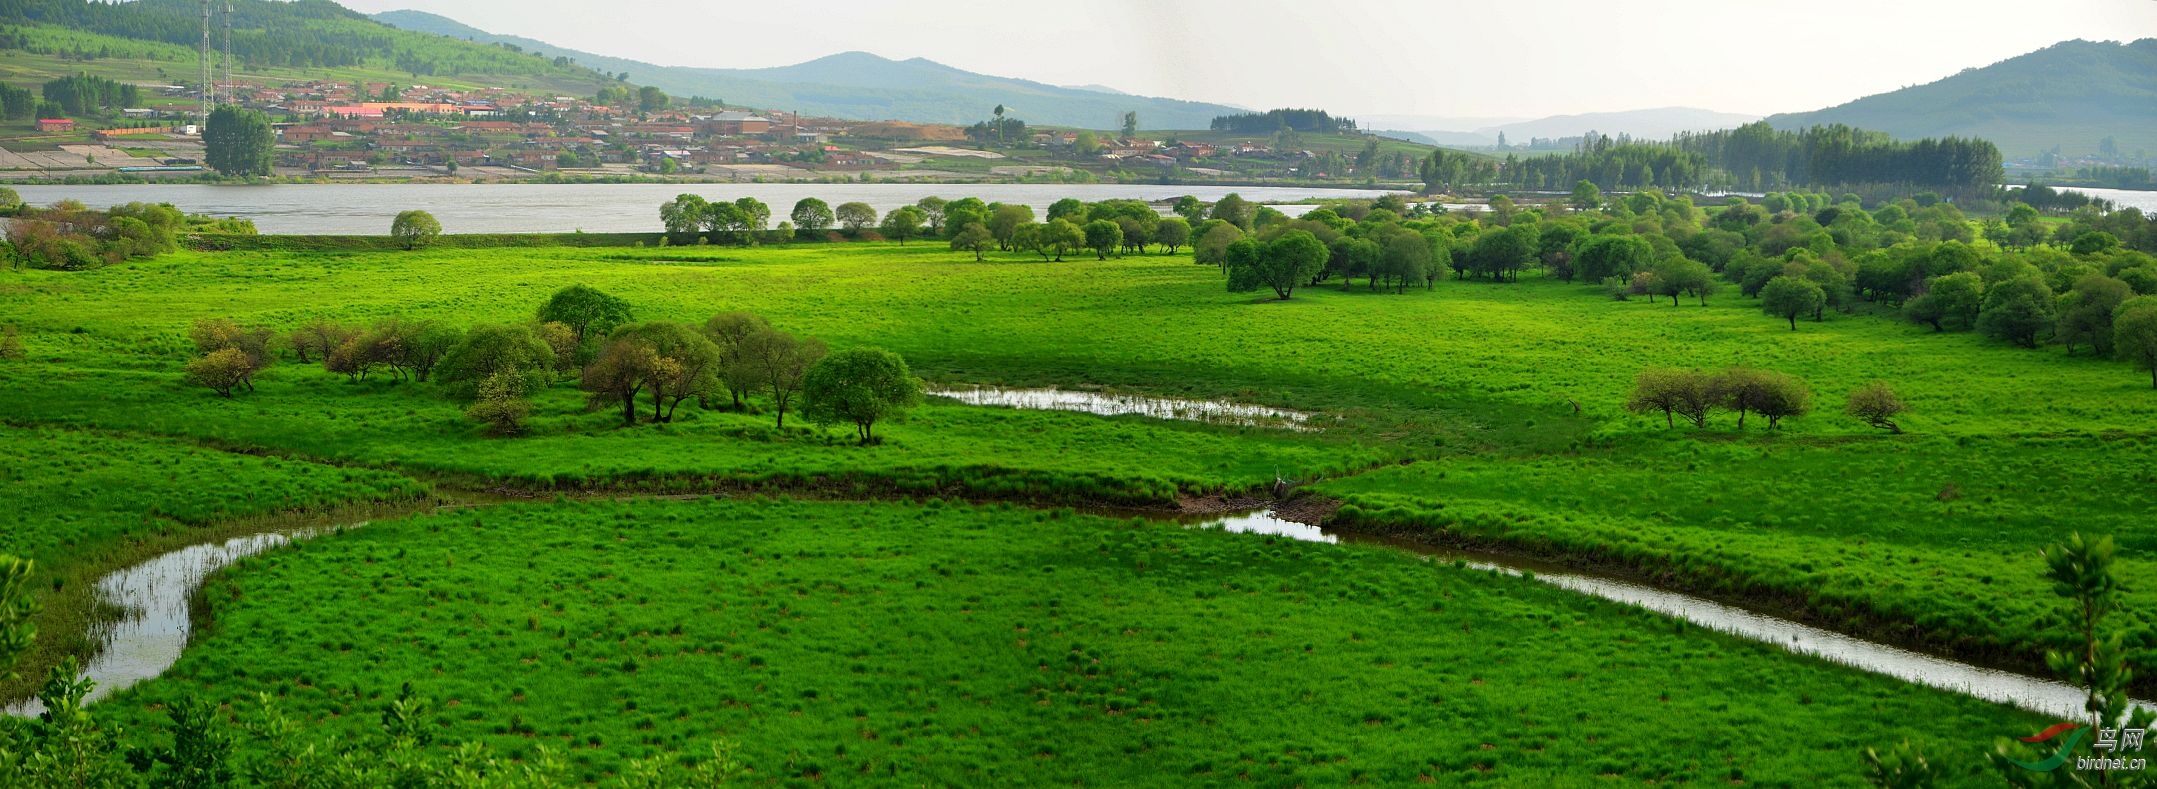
[(314, 36), (2073, 95), (863, 86)]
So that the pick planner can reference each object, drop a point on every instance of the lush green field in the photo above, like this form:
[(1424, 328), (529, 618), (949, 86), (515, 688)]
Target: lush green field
[(907, 644), (1928, 541), (81, 504), (1467, 370), (1479, 412)]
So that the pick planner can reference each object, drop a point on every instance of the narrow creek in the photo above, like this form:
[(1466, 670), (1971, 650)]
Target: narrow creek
[(156, 596), (2043, 696)]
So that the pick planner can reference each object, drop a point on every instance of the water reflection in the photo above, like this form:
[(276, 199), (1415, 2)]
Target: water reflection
[(1209, 411), (2005, 687), (156, 596)]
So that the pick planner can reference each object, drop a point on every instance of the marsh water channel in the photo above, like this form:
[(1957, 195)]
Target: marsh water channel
[(1219, 412), (157, 596)]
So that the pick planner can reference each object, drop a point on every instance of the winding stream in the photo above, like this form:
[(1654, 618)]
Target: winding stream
[(156, 595), (2006, 687)]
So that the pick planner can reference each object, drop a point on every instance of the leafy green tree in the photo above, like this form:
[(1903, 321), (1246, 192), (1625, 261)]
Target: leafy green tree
[(1061, 236), (490, 349), (239, 142), (500, 403), (415, 229), (588, 312), (902, 223), (65, 746), (730, 332), (1212, 246), (1192, 209), (855, 217), (687, 364), (1585, 196), (2134, 333), (651, 99), (1235, 210), (1070, 209), (1288, 260), (684, 215), (1600, 257), (973, 238), (813, 215), (1500, 253), (1788, 297), (781, 361), (2094, 242), (1173, 232), (1406, 261), (1657, 389), (1102, 236), (1951, 301), (1876, 405), (2018, 310), (1765, 392), (861, 386), (623, 369), (932, 213), (1004, 222), (1677, 275), (2086, 310)]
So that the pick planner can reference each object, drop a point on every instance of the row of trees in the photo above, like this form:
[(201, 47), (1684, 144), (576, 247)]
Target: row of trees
[(1697, 394), (1751, 157), (587, 335), (70, 236)]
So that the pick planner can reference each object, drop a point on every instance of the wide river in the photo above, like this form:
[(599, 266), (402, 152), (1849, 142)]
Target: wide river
[(340, 209)]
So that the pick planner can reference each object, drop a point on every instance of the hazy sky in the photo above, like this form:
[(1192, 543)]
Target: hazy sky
[(1476, 59)]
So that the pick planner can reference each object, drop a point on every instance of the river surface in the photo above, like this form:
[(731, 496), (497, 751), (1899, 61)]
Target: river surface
[(2043, 696), (156, 596), (2121, 198), (352, 209)]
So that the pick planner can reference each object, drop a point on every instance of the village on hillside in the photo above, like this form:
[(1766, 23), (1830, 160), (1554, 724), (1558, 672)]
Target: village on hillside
[(376, 131)]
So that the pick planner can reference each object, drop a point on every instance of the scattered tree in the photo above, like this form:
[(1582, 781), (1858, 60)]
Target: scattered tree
[(813, 216), (738, 374), (501, 404), (1290, 259), (1102, 236), (1876, 405), (782, 361), (486, 350), (902, 223), (855, 217), (239, 142), (1788, 297), (973, 238), (2134, 333), (861, 386), (1173, 232)]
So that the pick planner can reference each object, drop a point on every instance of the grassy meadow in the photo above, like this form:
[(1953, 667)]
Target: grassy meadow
[(935, 644), (845, 640)]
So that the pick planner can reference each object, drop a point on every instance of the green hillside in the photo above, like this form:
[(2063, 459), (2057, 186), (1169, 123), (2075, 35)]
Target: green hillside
[(154, 41), (862, 86), (2072, 94)]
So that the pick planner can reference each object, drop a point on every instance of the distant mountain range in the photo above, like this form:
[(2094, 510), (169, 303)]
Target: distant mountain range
[(2072, 94), (862, 86), (1652, 124)]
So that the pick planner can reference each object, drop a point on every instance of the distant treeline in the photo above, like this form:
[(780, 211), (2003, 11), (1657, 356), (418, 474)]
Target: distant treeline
[(1272, 121), (1756, 156), (83, 94), (1749, 157), (301, 34)]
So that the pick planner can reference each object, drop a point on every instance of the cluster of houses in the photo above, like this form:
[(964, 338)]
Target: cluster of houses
[(337, 126)]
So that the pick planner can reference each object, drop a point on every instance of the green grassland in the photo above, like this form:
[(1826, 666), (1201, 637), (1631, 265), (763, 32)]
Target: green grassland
[(1471, 412), (910, 644), (83, 503)]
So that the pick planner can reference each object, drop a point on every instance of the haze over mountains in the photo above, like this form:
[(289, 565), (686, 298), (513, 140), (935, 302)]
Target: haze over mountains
[(864, 86), (2071, 95)]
